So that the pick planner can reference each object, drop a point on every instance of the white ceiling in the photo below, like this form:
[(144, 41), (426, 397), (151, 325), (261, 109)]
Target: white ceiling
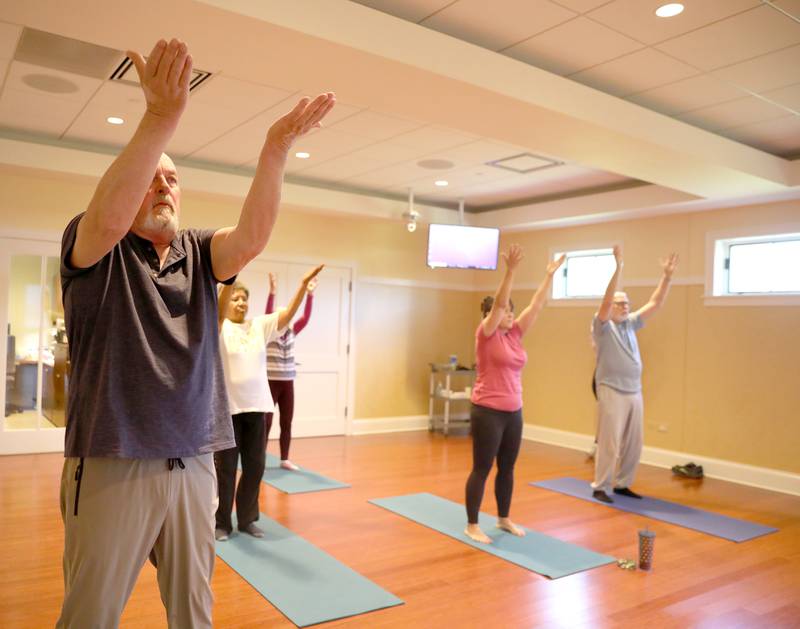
[(409, 89)]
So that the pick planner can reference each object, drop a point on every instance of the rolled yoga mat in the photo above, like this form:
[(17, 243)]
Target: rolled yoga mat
[(689, 517), (297, 481), (538, 552), (305, 583)]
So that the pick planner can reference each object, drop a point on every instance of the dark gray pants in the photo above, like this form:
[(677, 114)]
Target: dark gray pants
[(251, 443), (495, 435)]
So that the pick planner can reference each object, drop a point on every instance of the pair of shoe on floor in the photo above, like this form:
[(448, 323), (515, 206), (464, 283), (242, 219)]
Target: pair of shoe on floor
[(221, 535), (599, 494), (690, 470)]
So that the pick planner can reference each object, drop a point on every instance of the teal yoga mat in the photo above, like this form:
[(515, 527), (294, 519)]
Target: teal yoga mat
[(305, 583), (298, 481), (536, 551)]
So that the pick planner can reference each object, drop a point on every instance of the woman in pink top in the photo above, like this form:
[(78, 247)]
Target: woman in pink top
[(496, 414)]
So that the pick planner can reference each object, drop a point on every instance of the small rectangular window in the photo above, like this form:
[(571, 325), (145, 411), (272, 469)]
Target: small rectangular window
[(584, 275), (764, 265)]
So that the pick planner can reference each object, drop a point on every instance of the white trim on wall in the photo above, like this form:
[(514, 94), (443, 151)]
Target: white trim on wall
[(377, 425), (406, 283), (761, 477)]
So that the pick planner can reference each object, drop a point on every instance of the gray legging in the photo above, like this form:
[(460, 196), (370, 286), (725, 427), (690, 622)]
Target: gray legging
[(495, 434)]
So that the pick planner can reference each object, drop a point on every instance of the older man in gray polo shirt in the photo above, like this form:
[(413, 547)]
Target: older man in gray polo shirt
[(620, 427), (147, 405)]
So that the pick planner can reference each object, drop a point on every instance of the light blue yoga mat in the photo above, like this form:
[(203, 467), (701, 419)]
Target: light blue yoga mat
[(305, 583), (298, 481), (689, 517), (536, 551)]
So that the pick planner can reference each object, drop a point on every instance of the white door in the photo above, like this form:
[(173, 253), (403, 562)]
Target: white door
[(34, 351), (321, 348)]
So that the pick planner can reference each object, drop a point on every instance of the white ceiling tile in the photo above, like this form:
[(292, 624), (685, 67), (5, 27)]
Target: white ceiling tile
[(432, 138), (476, 153), (749, 34), (389, 176), (339, 112), (112, 99), (411, 10), (242, 144), (9, 37), (338, 168), (743, 111), (638, 19), (506, 23), (384, 153), (5, 64), (766, 72), (780, 136), (787, 96), (240, 98), (329, 143), (692, 93), (636, 72), (47, 114), (83, 87), (581, 6), (790, 6), (573, 46), (374, 125)]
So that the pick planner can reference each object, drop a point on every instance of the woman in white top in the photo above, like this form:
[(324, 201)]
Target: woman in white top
[(243, 345)]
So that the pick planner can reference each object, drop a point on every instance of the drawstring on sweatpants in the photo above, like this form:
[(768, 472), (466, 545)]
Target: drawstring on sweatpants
[(171, 463), (78, 478)]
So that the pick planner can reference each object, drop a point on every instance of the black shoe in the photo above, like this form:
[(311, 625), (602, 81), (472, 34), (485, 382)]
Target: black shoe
[(624, 491), (599, 494)]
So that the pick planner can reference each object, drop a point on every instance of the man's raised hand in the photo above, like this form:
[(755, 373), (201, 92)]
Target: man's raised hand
[(165, 77)]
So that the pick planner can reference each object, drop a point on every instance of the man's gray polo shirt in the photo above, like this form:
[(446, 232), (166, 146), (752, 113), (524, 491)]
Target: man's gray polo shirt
[(146, 377), (619, 364)]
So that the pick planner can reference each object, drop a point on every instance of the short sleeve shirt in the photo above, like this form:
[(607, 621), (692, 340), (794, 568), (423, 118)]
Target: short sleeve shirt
[(500, 359), (244, 356), (619, 364), (146, 378)]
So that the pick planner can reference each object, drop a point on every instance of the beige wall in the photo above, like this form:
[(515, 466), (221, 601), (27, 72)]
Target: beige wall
[(722, 380)]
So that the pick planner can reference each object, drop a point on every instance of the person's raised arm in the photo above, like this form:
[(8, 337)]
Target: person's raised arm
[(604, 313), (223, 301), (273, 288), (511, 258), (233, 247), (285, 316), (659, 296), (306, 316), (528, 316), (116, 201)]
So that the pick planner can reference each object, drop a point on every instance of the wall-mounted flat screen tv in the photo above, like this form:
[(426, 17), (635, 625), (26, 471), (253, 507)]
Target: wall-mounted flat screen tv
[(462, 247)]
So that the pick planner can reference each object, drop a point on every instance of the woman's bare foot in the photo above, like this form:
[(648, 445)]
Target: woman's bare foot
[(473, 531), (288, 465), (507, 525)]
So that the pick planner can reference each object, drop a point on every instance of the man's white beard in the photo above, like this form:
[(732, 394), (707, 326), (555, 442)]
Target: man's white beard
[(160, 223)]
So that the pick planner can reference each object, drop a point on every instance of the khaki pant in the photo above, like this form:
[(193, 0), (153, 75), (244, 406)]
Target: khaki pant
[(620, 421), (127, 510)]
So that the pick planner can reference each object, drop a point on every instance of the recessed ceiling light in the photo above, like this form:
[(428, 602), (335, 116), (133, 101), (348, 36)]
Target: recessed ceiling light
[(669, 10), (114, 120), (302, 155), (440, 182)]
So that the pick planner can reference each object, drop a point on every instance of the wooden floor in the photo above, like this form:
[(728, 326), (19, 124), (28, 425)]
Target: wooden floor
[(697, 581)]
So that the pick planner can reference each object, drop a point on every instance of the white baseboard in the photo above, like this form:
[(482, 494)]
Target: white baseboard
[(389, 424), (762, 477)]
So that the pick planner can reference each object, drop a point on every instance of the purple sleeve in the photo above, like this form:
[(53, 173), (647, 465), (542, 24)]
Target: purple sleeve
[(303, 321), (270, 304)]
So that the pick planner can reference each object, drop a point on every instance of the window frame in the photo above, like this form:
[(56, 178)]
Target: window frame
[(717, 278), (585, 249)]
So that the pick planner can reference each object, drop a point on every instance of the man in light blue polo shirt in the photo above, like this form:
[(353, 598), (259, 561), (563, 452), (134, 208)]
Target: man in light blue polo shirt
[(620, 427)]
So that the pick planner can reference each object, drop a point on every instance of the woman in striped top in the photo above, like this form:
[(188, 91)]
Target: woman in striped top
[(281, 370)]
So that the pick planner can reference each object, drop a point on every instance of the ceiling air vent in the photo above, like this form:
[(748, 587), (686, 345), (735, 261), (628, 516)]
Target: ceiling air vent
[(47, 50), (126, 73), (524, 163)]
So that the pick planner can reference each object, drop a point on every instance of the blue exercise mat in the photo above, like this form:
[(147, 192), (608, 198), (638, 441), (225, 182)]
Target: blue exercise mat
[(305, 583), (536, 551), (297, 481), (689, 517)]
